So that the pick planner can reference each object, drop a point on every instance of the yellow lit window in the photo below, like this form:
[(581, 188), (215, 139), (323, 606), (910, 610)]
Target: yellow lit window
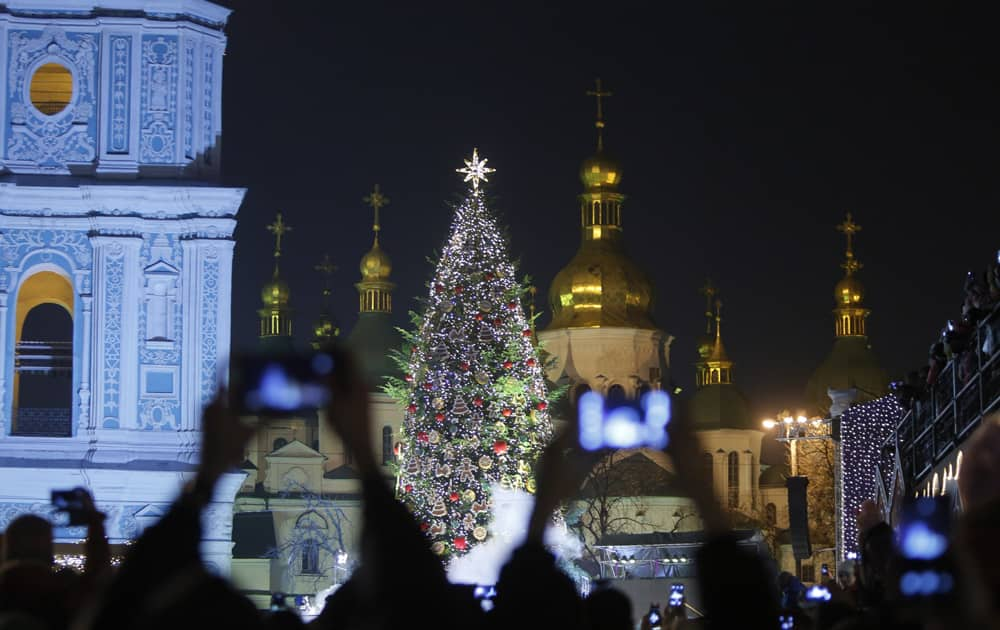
[(51, 88)]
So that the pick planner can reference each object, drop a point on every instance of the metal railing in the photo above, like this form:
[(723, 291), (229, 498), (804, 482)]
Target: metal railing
[(937, 423)]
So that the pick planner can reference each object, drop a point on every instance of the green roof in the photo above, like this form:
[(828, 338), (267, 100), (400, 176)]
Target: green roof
[(720, 406), (851, 363), (373, 340)]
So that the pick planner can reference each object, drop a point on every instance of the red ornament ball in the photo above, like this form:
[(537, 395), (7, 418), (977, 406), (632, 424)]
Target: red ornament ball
[(425, 526), (458, 289), (526, 332), (439, 417), (408, 378), (477, 402), (408, 488), (489, 275), (397, 449), (464, 365), (438, 288), (530, 362), (479, 317), (508, 365), (428, 386), (542, 405), (453, 497), (497, 321), (506, 412), (460, 543), (500, 447), (423, 437), (412, 409), (512, 305)]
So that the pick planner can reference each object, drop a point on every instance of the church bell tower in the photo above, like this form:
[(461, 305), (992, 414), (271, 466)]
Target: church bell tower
[(115, 256)]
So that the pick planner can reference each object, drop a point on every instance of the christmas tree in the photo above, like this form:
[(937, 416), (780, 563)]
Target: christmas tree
[(474, 388)]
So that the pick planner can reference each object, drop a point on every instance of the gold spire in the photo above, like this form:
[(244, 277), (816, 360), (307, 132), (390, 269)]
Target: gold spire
[(598, 94), (325, 329), (848, 294), (601, 286), (715, 366), (375, 289), (275, 317)]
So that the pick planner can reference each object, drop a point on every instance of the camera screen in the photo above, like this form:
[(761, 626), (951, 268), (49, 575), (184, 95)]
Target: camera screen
[(66, 500), (624, 426), (284, 384)]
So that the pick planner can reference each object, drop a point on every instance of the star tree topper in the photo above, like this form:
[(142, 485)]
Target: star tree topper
[(475, 170)]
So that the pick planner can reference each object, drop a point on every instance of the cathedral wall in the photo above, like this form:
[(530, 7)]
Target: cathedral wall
[(604, 357)]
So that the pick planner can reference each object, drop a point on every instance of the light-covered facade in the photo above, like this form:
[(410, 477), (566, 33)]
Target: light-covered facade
[(116, 255)]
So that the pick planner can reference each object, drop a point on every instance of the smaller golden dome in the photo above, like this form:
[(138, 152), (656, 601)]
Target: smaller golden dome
[(600, 172), (849, 292), (375, 265), (275, 293)]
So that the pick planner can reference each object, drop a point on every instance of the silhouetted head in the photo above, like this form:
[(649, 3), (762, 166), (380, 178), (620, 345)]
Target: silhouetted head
[(28, 537), (608, 609)]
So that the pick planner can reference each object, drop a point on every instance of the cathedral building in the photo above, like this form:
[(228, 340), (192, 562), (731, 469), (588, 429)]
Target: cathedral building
[(851, 369), (116, 247), (297, 518)]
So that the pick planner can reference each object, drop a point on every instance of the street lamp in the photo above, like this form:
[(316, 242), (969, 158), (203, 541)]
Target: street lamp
[(792, 428)]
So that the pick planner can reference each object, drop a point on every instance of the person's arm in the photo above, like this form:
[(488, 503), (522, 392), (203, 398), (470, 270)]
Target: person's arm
[(172, 544), (734, 583)]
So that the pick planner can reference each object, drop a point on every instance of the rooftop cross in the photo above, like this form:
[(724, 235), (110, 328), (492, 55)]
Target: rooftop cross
[(709, 292), (376, 200), (598, 94), (279, 228), (849, 228)]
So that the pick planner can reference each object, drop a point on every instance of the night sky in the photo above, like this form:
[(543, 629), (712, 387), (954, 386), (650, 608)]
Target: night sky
[(744, 134)]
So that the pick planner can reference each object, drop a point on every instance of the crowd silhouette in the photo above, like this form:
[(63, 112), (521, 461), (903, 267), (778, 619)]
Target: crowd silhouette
[(401, 584)]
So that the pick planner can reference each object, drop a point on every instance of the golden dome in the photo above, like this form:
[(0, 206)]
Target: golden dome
[(600, 172), (849, 292), (275, 292), (375, 265), (600, 287)]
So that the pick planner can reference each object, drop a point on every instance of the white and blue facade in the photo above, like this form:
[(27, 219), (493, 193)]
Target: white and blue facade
[(108, 211)]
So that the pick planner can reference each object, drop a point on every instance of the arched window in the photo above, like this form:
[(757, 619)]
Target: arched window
[(708, 468), (43, 356), (310, 530), (310, 557), (387, 445), (771, 514), (616, 394), (278, 443), (734, 479)]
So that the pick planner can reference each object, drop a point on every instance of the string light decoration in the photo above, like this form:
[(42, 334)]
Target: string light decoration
[(863, 430), (474, 391)]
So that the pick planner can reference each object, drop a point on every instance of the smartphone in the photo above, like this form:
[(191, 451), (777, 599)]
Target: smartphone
[(786, 622), (824, 570), (922, 543), (654, 617), (676, 599), (485, 595), (624, 425), (818, 593), (72, 503), (282, 384)]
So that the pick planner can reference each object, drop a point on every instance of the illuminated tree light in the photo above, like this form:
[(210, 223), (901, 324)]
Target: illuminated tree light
[(474, 391), (863, 430)]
